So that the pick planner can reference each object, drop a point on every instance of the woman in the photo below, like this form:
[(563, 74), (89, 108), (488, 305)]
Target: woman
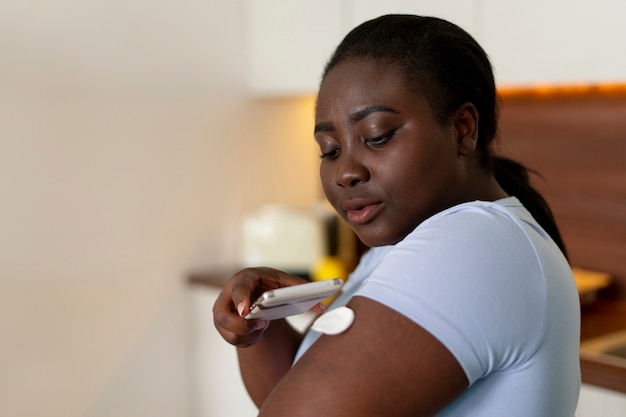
[(464, 305)]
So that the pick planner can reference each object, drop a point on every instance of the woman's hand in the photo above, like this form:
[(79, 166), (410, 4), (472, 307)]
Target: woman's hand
[(234, 302)]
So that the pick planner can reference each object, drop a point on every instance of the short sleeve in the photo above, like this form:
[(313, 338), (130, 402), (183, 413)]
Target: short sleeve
[(469, 276)]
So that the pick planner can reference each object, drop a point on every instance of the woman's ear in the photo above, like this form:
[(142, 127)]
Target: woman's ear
[(465, 121)]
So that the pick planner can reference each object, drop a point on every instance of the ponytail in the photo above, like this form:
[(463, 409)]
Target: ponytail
[(513, 178)]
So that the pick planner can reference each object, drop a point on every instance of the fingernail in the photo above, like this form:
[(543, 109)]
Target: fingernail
[(240, 308)]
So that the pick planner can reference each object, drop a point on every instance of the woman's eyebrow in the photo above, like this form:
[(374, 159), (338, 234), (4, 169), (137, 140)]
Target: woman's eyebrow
[(323, 127), (366, 111), (355, 117)]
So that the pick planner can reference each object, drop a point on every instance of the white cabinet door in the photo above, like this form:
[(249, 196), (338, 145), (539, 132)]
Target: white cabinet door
[(217, 389), (555, 41), (460, 12), (596, 402), (289, 42), (529, 42)]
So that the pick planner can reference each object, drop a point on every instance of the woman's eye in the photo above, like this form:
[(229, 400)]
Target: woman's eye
[(381, 140), (330, 154)]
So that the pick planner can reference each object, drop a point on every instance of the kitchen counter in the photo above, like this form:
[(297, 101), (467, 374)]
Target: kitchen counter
[(603, 317), (214, 278)]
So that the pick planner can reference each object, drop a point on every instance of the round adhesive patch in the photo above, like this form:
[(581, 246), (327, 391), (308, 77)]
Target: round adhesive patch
[(335, 321)]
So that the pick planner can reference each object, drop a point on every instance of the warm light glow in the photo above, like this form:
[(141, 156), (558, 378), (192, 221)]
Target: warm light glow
[(547, 90), (562, 90)]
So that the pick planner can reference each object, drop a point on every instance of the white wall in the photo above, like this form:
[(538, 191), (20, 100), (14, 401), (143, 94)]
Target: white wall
[(128, 154)]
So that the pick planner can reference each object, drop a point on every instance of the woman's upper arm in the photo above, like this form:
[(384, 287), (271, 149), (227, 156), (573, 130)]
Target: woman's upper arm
[(384, 364)]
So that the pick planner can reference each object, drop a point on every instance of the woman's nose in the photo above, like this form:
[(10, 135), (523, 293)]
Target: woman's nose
[(351, 171)]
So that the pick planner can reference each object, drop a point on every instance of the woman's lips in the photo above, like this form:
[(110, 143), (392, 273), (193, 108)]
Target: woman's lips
[(362, 213)]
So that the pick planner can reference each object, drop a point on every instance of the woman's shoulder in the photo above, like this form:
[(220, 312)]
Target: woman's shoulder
[(507, 207), (484, 221)]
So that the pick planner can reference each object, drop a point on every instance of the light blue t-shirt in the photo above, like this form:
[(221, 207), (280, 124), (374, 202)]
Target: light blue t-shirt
[(491, 285)]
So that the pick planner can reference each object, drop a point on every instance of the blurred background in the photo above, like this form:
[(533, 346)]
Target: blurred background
[(136, 136)]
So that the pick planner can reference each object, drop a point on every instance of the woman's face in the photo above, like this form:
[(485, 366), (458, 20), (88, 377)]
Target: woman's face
[(387, 165)]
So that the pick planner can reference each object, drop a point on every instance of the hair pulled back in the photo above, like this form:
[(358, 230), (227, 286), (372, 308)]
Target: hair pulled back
[(438, 59), (449, 68)]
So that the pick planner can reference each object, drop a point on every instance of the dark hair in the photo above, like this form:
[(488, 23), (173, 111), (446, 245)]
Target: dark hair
[(446, 65), (513, 178)]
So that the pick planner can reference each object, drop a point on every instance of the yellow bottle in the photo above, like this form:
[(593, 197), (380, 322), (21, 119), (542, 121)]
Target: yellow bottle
[(329, 267)]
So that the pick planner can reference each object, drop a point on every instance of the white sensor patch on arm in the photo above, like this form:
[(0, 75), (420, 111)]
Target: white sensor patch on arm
[(335, 321)]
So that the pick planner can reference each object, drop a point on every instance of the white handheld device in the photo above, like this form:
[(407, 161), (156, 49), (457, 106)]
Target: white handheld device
[(288, 301)]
